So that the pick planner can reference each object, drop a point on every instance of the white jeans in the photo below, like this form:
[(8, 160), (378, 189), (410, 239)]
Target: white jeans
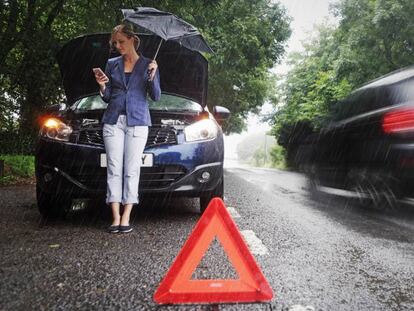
[(124, 146)]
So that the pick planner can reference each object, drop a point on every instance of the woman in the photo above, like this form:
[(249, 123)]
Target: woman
[(125, 84)]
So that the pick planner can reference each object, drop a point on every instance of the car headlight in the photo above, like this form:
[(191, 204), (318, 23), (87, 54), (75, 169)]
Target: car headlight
[(201, 130), (55, 129)]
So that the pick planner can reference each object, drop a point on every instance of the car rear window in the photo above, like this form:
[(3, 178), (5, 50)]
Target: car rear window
[(360, 102), (167, 102), (371, 99)]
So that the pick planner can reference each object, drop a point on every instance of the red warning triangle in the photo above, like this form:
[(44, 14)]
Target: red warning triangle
[(177, 285)]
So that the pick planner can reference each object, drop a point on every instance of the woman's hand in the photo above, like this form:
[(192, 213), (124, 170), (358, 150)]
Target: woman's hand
[(152, 68), (101, 79)]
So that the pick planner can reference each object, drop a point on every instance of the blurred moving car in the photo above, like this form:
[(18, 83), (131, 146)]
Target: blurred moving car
[(184, 153), (366, 147)]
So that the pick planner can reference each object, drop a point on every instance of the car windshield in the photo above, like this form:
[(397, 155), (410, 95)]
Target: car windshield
[(167, 102)]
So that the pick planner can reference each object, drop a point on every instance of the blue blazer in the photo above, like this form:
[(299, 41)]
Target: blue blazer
[(117, 92)]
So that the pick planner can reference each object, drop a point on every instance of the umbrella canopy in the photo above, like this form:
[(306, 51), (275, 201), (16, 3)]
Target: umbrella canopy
[(167, 26)]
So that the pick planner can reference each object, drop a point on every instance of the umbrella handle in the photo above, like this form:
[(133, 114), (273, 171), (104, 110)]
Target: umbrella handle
[(159, 45), (155, 56)]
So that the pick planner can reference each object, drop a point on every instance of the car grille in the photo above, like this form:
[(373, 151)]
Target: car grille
[(160, 176), (150, 178), (161, 135), (156, 136), (91, 137)]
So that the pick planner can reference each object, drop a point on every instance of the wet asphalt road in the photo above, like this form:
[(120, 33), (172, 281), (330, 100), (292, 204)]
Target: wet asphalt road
[(316, 251)]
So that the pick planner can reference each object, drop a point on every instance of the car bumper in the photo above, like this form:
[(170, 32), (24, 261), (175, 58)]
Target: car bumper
[(74, 170)]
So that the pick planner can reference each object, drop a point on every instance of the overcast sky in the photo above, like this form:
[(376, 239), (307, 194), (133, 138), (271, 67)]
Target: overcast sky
[(305, 14)]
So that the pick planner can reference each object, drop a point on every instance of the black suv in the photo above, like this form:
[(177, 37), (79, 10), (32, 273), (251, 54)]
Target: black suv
[(366, 147)]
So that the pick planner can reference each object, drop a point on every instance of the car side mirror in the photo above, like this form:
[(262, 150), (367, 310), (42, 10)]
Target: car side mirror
[(221, 114)]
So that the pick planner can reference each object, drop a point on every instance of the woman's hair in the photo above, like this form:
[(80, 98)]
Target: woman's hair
[(126, 30)]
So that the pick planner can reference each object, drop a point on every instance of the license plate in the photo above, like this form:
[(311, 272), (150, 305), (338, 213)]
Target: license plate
[(147, 160)]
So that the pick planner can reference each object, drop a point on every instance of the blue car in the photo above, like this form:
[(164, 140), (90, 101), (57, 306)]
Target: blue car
[(184, 152)]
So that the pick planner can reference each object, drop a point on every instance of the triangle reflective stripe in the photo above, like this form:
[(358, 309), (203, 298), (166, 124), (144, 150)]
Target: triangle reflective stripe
[(250, 286)]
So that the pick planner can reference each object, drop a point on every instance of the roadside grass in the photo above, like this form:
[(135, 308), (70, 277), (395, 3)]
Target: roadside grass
[(18, 169)]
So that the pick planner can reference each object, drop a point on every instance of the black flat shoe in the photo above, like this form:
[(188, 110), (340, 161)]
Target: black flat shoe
[(113, 229), (125, 229)]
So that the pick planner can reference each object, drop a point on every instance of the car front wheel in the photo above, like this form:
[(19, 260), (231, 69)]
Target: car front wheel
[(216, 192)]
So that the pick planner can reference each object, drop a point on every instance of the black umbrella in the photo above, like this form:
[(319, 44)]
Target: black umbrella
[(167, 26)]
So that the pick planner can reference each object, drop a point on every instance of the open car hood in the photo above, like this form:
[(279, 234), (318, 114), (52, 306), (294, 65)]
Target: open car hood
[(182, 71)]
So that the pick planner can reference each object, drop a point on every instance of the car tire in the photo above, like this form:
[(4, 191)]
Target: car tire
[(49, 206), (378, 191), (207, 197)]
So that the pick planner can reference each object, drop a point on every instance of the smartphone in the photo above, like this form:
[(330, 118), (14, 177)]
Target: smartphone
[(98, 72)]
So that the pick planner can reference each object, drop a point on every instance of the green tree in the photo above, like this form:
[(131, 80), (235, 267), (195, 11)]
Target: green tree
[(277, 156), (248, 38), (312, 86), (374, 37)]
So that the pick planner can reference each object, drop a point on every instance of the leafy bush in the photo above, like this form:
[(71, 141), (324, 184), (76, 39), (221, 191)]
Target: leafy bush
[(277, 156), (17, 168)]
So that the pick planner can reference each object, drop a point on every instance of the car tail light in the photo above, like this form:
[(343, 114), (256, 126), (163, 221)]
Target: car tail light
[(398, 121)]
